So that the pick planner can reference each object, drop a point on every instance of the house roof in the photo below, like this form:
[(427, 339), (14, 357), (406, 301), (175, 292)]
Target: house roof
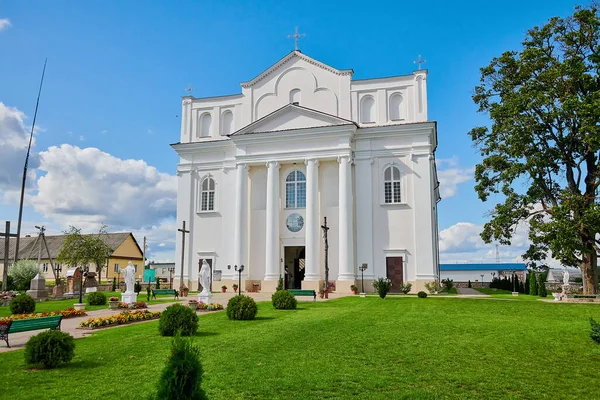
[(483, 267), (30, 246)]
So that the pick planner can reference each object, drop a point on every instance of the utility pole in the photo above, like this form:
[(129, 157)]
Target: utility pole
[(144, 259)]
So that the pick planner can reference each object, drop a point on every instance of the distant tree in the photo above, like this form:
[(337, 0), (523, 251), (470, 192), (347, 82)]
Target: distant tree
[(541, 286), (22, 273), (74, 251), (542, 153), (99, 251)]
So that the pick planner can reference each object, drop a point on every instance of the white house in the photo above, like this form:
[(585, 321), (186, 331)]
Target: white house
[(259, 172)]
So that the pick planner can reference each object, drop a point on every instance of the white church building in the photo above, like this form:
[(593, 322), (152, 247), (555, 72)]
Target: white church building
[(260, 171)]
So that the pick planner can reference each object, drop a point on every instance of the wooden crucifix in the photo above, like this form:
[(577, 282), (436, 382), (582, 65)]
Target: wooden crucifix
[(7, 235), (325, 230), (183, 232)]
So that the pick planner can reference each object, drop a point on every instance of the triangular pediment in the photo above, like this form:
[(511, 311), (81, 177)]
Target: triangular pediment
[(291, 117), (290, 57)]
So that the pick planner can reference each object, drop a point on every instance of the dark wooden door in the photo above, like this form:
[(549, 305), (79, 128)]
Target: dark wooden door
[(394, 272)]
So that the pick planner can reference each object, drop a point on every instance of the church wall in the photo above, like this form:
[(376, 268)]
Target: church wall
[(328, 203), (257, 225)]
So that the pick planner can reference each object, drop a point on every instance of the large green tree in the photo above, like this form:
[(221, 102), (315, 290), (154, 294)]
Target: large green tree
[(99, 251), (541, 154), (80, 250)]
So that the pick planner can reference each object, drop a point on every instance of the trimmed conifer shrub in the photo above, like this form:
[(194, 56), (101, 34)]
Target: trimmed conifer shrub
[(526, 285), (114, 285), (469, 284), (96, 299), (541, 286), (22, 304), (181, 378), (284, 300), (595, 333), (178, 318), (280, 283), (422, 294), (49, 349), (241, 308), (157, 283), (533, 290)]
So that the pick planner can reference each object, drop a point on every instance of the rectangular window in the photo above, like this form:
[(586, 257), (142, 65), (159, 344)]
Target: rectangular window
[(204, 202), (58, 267), (211, 201), (116, 268), (387, 192), (396, 192), (135, 266), (301, 196), (290, 198), (45, 267)]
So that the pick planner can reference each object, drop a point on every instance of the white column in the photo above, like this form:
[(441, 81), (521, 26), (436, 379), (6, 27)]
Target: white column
[(272, 248), (239, 233), (313, 227), (364, 215), (346, 227)]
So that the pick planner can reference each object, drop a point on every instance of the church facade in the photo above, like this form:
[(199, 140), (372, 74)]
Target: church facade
[(260, 171)]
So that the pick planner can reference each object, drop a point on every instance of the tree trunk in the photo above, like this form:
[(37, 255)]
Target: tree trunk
[(589, 267)]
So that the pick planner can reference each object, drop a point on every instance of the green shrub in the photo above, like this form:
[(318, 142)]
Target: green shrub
[(148, 293), (422, 294), (49, 349), (533, 289), (10, 283), (405, 287), (22, 304), (595, 333), (432, 287), (541, 286), (182, 376), (22, 273), (157, 283), (241, 308), (176, 318), (469, 285), (280, 283), (96, 299), (448, 284), (137, 287), (382, 286), (284, 300), (114, 285)]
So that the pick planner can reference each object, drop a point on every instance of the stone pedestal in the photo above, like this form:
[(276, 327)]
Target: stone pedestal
[(37, 288), (91, 289), (129, 297), (206, 298), (57, 291), (90, 283)]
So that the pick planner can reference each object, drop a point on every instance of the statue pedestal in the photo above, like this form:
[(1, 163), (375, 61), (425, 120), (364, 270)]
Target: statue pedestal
[(206, 298), (129, 297), (91, 289)]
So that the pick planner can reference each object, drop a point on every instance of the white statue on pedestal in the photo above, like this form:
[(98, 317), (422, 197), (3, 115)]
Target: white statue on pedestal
[(566, 277), (204, 278), (129, 276)]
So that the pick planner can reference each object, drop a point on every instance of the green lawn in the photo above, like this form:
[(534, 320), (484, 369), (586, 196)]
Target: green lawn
[(55, 305), (400, 347)]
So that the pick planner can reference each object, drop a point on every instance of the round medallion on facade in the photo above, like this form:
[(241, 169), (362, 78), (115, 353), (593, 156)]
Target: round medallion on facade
[(294, 222)]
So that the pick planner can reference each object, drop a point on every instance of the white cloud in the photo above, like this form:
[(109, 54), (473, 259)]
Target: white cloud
[(81, 138), (5, 24), (103, 132), (88, 187), (452, 176), (14, 139)]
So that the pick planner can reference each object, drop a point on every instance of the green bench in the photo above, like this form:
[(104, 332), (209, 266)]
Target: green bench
[(31, 324), (165, 291), (303, 292)]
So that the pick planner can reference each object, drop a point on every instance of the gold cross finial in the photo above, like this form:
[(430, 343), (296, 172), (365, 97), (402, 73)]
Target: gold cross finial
[(419, 61), (295, 36), (189, 90)]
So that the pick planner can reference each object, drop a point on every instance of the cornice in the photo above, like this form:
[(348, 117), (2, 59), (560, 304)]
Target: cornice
[(201, 147), (321, 132)]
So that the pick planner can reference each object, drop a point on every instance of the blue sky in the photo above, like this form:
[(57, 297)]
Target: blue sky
[(116, 71)]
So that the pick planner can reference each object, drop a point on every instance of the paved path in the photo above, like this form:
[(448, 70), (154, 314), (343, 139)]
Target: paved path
[(469, 292), (17, 340)]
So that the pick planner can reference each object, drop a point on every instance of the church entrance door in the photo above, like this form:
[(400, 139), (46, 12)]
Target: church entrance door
[(294, 267), (394, 272)]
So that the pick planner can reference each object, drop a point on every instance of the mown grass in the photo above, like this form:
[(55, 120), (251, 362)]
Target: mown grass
[(367, 348), (55, 305)]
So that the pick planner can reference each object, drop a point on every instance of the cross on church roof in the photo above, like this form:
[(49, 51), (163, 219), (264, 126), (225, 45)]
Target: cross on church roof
[(189, 90), (419, 61), (295, 36)]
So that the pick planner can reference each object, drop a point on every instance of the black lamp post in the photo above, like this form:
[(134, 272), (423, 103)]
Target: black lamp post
[(239, 271), (362, 277)]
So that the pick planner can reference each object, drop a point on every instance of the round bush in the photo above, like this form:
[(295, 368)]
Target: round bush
[(49, 349), (96, 299), (422, 294), (22, 304), (241, 308), (284, 300), (178, 317)]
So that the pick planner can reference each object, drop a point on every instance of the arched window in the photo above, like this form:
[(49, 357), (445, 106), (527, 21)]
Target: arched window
[(227, 123), (396, 107), (367, 109), (391, 185), (205, 122), (295, 96), (207, 195), (295, 190)]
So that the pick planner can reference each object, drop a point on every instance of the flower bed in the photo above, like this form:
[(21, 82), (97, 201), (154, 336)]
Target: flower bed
[(119, 319), (133, 306), (209, 307), (68, 313)]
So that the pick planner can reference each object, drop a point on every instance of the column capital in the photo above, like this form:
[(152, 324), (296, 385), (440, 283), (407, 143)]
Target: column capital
[(273, 164), (314, 161), (345, 158), (243, 166)]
